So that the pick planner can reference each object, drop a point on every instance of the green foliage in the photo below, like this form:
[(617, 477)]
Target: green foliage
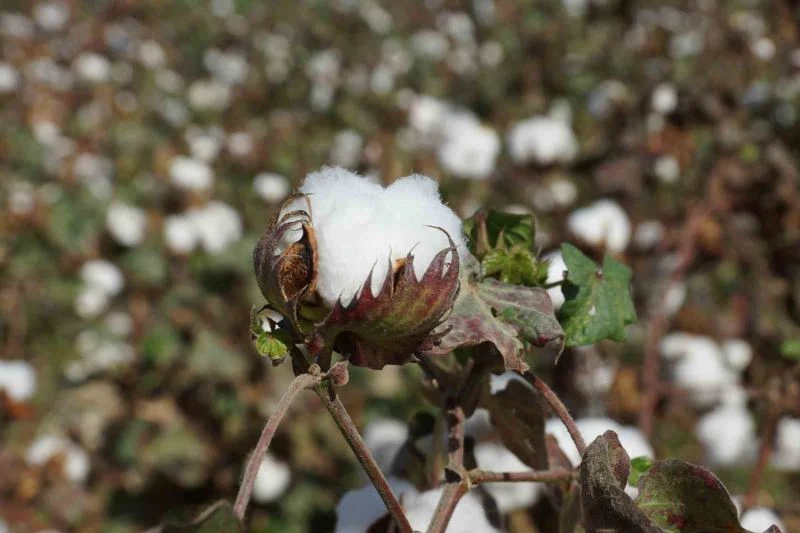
[(517, 266), (639, 465), (790, 349), (598, 301), (489, 229)]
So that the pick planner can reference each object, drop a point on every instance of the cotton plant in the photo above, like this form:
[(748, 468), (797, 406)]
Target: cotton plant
[(360, 274)]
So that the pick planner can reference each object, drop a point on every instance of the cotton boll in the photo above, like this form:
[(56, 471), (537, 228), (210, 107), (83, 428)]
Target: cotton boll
[(468, 516), (359, 509), (151, 54), (126, 223), (102, 275), (738, 353), (664, 99), (191, 174), (426, 115), (271, 187), (51, 16), (217, 226), (604, 222), (542, 140), (555, 272), (76, 464), (90, 302), (240, 143), (9, 78), (272, 480), (346, 149), (728, 435), (209, 95), (389, 222), (699, 367), (786, 455), (180, 234), (499, 382), (648, 234), (563, 192), (204, 147), (667, 169), (509, 496), (760, 519), (469, 149), (384, 438), (17, 380), (92, 68), (629, 437), (479, 425), (97, 354)]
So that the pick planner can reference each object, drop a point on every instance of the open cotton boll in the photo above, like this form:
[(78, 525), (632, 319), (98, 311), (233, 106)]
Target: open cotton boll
[(217, 226), (191, 174), (102, 275), (271, 187), (17, 380), (469, 149), (126, 223), (384, 438), (555, 272), (426, 116), (97, 354), (361, 226), (603, 222), (346, 149), (542, 140), (738, 353), (760, 519), (728, 435), (92, 68), (499, 382), (786, 455), (272, 480), (76, 463), (358, 509), (468, 516), (509, 496)]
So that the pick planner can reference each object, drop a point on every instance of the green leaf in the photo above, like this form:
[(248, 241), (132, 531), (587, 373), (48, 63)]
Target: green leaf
[(686, 498), (639, 466), (517, 266), (219, 518), (488, 230), (273, 345), (598, 302), (501, 314), (604, 472), (791, 349)]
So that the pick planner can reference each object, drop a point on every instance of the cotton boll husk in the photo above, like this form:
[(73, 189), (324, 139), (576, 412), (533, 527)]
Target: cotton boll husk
[(384, 438), (272, 480), (360, 508), (728, 435), (604, 222), (17, 380), (389, 223), (543, 140), (761, 518), (786, 455), (509, 496)]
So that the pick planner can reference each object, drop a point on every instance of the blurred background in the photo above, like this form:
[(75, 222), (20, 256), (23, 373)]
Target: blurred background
[(144, 145)]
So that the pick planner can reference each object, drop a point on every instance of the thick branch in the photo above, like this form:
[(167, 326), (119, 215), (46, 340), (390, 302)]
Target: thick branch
[(301, 382), (348, 429), (558, 407)]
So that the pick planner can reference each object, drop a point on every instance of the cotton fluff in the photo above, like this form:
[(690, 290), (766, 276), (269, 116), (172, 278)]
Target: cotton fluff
[(509, 496), (271, 187), (499, 382), (361, 226), (556, 268), (542, 140), (664, 99), (76, 461), (786, 455), (103, 275), (384, 438), (272, 480), (179, 234), (51, 15), (98, 354), (468, 149), (17, 380), (728, 433), (9, 78), (346, 149), (760, 519), (426, 116), (126, 223), (92, 68), (738, 353), (191, 174), (603, 222), (361, 508), (699, 367)]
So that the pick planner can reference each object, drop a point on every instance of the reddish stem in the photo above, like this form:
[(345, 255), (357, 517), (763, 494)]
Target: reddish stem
[(558, 407)]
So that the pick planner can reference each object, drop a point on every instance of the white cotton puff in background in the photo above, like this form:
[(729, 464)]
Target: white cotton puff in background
[(217, 225), (555, 272), (126, 223), (346, 149), (648, 234), (426, 116), (17, 380), (204, 146), (699, 367), (76, 460), (272, 480), (92, 68), (499, 382), (191, 174), (786, 455), (179, 234), (664, 99), (667, 169), (271, 187), (360, 508), (51, 16), (543, 140), (9, 78), (728, 432), (468, 149), (209, 95), (98, 353), (760, 519), (603, 222), (738, 353), (509, 496), (389, 222), (384, 438), (103, 275)]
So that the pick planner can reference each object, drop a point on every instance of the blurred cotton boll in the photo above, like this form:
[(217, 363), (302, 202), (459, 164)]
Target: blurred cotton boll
[(271, 187), (555, 272), (51, 16), (126, 223), (92, 68), (103, 275), (602, 223), (346, 149), (664, 99), (469, 149), (272, 480), (384, 438), (179, 234), (76, 464), (786, 454), (209, 95), (509, 496), (760, 519), (190, 174), (9, 78), (542, 140), (17, 380), (217, 225), (728, 434), (98, 353)]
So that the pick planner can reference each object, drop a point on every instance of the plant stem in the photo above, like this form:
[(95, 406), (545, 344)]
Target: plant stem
[(350, 433), (447, 504), (454, 490), (301, 382), (476, 477), (558, 407), (764, 453)]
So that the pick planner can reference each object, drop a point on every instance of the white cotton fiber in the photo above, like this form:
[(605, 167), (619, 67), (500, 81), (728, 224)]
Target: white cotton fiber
[(360, 225), (468, 516), (760, 519), (728, 435), (786, 455), (17, 380), (499, 382), (360, 508), (509, 496), (384, 438), (555, 272), (76, 463), (468, 149), (272, 480), (543, 140), (603, 222)]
